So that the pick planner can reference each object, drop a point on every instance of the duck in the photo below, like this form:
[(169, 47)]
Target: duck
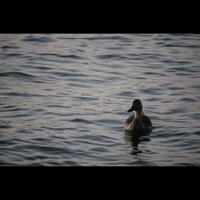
[(137, 124)]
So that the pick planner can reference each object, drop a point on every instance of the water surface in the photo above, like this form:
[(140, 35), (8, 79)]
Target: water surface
[(64, 97)]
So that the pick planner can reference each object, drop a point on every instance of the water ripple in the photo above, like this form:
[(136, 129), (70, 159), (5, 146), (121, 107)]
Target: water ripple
[(37, 39), (17, 75)]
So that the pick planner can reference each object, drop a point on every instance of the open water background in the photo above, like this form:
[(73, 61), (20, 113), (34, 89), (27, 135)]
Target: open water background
[(64, 97)]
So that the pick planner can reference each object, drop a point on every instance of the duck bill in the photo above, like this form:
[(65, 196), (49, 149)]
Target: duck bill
[(131, 109)]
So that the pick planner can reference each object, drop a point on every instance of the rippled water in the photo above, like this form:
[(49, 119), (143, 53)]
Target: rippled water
[(64, 97)]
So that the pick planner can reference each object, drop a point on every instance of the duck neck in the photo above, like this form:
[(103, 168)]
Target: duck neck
[(138, 114)]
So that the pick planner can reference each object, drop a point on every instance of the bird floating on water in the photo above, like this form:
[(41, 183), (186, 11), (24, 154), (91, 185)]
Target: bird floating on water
[(138, 123)]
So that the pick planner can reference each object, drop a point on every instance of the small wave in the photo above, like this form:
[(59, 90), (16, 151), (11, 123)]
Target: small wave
[(182, 45), (197, 133), (185, 99), (20, 94), (81, 121), (153, 99), (183, 62), (124, 93), (148, 55), (85, 98), (81, 85), (117, 37), (56, 128), (170, 61), (173, 88), (17, 74), (12, 109), (72, 56), (39, 148), (63, 74), (34, 65), (176, 111), (55, 106), (108, 121), (155, 73), (11, 55), (110, 56), (38, 39), (94, 38), (182, 70), (153, 91), (9, 47), (5, 126)]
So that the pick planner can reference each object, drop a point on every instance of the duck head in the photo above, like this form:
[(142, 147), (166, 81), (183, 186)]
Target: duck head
[(136, 106)]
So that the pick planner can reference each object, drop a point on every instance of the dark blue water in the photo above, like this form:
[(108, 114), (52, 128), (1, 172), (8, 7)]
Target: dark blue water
[(64, 97)]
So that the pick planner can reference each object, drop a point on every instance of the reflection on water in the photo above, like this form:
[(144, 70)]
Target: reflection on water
[(63, 98), (134, 140)]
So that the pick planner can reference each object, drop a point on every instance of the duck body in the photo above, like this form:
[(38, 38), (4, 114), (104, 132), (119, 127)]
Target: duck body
[(144, 122)]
